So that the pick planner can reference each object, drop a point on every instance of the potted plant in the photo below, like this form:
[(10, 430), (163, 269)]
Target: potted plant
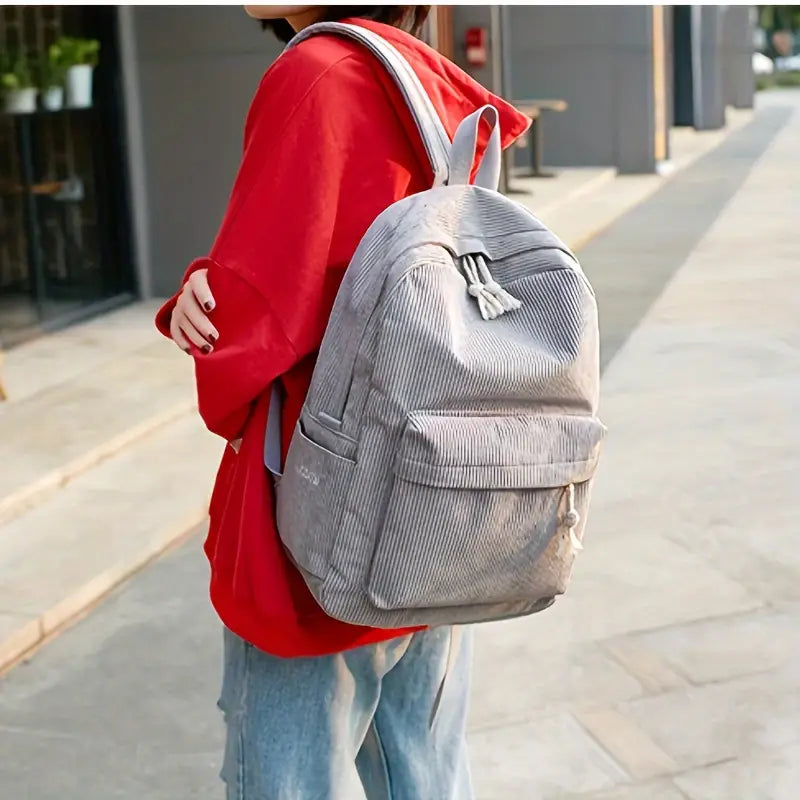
[(79, 57), (19, 90), (53, 74)]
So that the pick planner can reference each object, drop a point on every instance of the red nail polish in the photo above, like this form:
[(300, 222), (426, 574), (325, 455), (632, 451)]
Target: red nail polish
[(208, 306), (206, 348)]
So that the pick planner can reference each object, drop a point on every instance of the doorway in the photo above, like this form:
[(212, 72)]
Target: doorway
[(65, 239), (682, 67)]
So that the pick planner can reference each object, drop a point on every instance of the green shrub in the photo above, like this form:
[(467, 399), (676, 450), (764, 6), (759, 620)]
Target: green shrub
[(15, 72), (53, 67), (73, 51), (778, 80)]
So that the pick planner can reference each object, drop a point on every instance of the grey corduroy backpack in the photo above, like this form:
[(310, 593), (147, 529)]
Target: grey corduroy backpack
[(440, 472)]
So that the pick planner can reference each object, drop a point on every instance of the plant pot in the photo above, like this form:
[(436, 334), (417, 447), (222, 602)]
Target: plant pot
[(20, 101), (53, 98), (79, 86)]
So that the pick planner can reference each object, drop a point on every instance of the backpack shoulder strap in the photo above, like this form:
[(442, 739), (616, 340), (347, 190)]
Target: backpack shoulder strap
[(434, 136)]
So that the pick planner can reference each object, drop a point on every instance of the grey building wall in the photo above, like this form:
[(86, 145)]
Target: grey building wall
[(669, 34), (707, 41), (737, 56), (195, 70), (190, 73), (599, 59), (714, 46), (466, 17)]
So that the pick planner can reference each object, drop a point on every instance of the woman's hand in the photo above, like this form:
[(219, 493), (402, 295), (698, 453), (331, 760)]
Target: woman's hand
[(190, 324)]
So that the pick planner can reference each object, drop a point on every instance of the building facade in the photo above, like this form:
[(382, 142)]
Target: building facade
[(102, 205)]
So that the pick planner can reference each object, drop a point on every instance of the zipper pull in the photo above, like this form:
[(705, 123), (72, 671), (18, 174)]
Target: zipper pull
[(572, 518)]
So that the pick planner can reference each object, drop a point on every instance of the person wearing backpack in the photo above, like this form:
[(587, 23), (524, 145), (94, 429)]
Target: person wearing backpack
[(332, 686)]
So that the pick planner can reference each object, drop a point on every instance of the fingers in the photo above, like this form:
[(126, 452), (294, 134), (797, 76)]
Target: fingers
[(199, 321), (190, 324), (193, 335), (177, 334), (198, 281)]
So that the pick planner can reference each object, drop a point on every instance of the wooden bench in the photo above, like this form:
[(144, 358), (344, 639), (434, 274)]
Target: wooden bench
[(58, 190), (508, 159), (534, 109)]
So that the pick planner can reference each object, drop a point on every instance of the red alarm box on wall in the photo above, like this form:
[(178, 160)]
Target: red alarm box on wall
[(476, 48)]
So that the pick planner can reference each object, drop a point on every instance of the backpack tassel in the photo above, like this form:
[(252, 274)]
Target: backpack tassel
[(492, 299), (506, 300)]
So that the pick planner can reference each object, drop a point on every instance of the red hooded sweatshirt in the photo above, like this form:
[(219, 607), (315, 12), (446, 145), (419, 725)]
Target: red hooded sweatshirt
[(328, 145)]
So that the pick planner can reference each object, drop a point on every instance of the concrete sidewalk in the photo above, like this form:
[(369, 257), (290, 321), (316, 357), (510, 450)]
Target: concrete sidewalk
[(669, 671), (94, 408), (91, 411)]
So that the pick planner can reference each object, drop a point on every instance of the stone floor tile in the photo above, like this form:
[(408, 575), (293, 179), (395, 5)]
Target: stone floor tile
[(627, 743), (702, 725), (759, 776), (515, 679), (653, 672), (633, 582), (54, 428), (724, 647), (649, 790), (18, 633), (540, 760), (48, 361), (88, 527)]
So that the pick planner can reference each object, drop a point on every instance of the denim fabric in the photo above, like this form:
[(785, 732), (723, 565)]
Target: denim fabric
[(350, 725)]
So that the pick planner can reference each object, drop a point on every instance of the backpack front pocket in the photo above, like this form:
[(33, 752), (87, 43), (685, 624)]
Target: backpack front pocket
[(484, 509)]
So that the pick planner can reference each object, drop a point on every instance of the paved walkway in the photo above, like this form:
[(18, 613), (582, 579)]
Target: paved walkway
[(69, 447), (670, 671)]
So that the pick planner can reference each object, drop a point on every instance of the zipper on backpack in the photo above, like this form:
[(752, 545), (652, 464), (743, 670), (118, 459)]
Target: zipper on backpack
[(572, 518)]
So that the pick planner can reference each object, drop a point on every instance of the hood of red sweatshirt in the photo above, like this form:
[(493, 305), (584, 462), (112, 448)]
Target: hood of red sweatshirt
[(449, 87)]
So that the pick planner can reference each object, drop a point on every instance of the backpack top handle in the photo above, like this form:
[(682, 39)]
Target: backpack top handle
[(462, 152)]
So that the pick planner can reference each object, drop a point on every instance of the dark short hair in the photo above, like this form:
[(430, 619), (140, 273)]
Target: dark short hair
[(409, 18)]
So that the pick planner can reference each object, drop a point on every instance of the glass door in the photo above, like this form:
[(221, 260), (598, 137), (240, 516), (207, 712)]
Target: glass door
[(65, 248)]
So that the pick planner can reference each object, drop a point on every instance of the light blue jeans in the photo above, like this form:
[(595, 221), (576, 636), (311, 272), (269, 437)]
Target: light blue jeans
[(386, 721)]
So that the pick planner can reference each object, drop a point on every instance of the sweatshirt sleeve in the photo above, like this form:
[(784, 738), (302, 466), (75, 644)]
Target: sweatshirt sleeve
[(323, 157)]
